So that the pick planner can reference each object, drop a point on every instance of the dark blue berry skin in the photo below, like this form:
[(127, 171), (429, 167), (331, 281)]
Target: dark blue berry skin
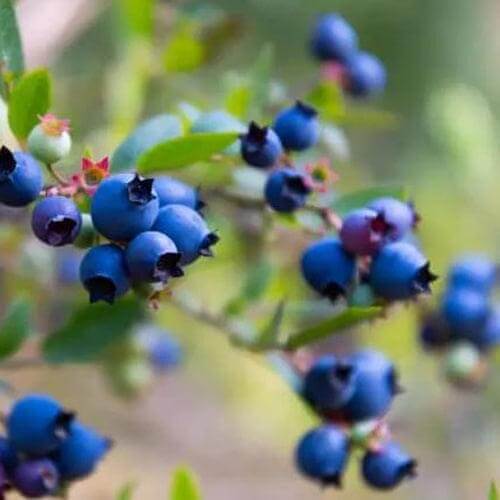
[(489, 336), (104, 274), (80, 453), (386, 468), (188, 230), (465, 310), (286, 190), (8, 455), (297, 127), (333, 39), (363, 231), (365, 74), (375, 385), (328, 384), (124, 206), (172, 191), (37, 424), (164, 353), (328, 268), (260, 146), (56, 221), (36, 478), (21, 178), (399, 217), (152, 257), (400, 271), (322, 454), (434, 332), (473, 271)]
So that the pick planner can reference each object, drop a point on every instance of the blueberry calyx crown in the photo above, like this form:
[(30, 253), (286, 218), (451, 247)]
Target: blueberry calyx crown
[(395, 384), (255, 133), (140, 190), (423, 279), (59, 230), (380, 226), (49, 478), (306, 109), (408, 469), (62, 423), (333, 291), (168, 265), (7, 163), (101, 288), (200, 203), (296, 187), (209, 240), (334, 480), (416, 216)]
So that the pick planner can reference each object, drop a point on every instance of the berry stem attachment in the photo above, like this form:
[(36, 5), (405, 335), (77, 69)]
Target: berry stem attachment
[(57, 175)]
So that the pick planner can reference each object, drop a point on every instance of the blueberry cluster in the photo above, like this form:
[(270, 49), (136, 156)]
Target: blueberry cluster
[(374, 253), (335, 42), (466, 326), (46, 448), (352, 395)]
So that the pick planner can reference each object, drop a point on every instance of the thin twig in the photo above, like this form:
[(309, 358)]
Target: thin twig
[(57, 176)]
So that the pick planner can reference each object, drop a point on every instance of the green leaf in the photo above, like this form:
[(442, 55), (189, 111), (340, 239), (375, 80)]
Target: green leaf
[(346, 319), (327, 97), (184, 52), (358, 199), (138, 16), (15, 327), (11, 52), (185, 151), (29, 99), (184, 485), (148, 134), (126, 492), (238, 100), (260, 80), (91, 329), (493, 494), (367, 117)]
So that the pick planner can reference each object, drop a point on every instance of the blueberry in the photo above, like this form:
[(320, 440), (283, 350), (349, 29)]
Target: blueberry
[(328, 384), (328, 268), (473, 271), (365, 75), (286, 190), (363, 231), (333, 38), (56, 221), (260, 146), (386, 468), (37, 424), (104, 274), (399, 271), (187, 230), (434, 332), (36, 478), (123, 206), (297, 127), (399, 217), (79, 454), (8, 455), (489, 336), (164, 352), (322, 454), (151, 257), (21, 178), (463, 365), (172, 191)]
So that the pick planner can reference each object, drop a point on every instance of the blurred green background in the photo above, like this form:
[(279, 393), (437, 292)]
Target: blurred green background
[(225, 413)]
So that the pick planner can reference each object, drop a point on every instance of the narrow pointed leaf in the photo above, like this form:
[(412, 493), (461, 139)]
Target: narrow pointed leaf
[(15, 327), (126, 492), (269, 336), (11, 52), (184, 485), (493, 494)]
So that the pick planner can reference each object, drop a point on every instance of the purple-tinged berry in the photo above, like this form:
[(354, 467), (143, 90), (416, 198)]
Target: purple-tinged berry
[(473, 271), (152, 257), (56, 221), (322, 455), (398, 216), (260, 146), (286, 190), (124, 206), (297, 127), (172, 191), (365, 75), (104, 274), (36, 478), (21, 178), (387, 467)]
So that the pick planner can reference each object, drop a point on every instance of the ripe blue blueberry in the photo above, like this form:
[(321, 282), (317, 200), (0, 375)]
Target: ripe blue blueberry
[(333, 39), (37, 424), (434, 332), (489, 336), (297, 127), (56, 221), (123, 206), (260, 146), (172, 191), (286, 190), (80, 453), (400, 271), (188, 230), (21, 178), (151, 257), (399, 217), (8, 455), (365, 75), (104, 274), (386, 468), (473, 271), (36, 478), (322, 454), (328, 268)]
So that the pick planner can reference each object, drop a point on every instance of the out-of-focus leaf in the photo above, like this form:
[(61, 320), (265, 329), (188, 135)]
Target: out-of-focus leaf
[(91, 329), (493, 494), (184, 52), (147, 135), (328, 99), (184, 485), (359, 199), (15, 327), (138, 16), (268, 337), (346, 319), (260, 80), (29, 99), (11, 52), (126, 492), (184, 151), (238, 100), (369, 118)]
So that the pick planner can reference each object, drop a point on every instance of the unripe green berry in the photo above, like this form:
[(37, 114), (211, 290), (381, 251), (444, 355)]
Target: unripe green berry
[(49, 141), (464, 365)]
